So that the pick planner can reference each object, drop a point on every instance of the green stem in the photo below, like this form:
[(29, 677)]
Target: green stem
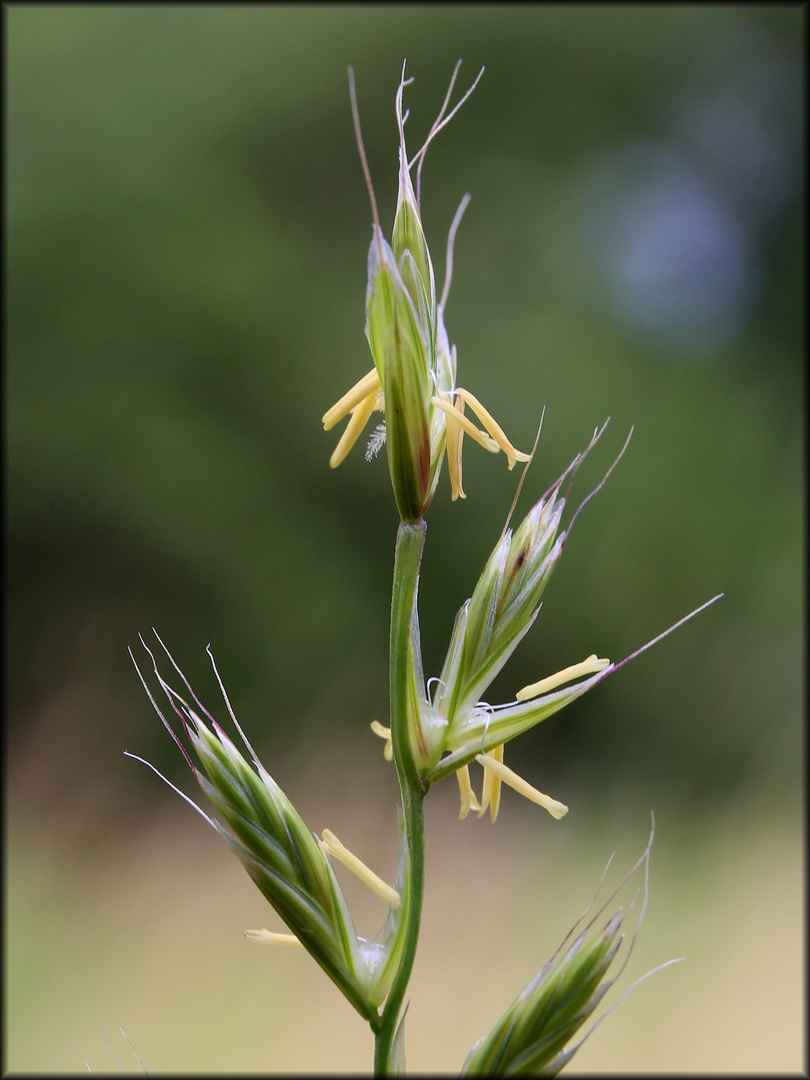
[(410, 541)]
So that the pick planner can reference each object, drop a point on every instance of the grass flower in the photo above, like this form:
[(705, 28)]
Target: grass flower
[(532, 1036), (290, 866), (413, 379), (480, 733), (500, 612), (456, 726)]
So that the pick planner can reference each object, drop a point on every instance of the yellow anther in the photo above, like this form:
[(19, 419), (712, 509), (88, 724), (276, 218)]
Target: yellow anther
[(268, 937), (491, 791), (493, 427), (458, 417), (357, 421), (556, 809), (369, 384), (455, 436), (384, 733), (332, 846), (468, 799), (587, 667)]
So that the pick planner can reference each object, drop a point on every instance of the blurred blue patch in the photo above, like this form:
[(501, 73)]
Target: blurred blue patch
[(677, 224)]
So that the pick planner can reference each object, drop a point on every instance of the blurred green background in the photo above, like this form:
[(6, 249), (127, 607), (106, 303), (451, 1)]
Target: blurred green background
[(187, 228)]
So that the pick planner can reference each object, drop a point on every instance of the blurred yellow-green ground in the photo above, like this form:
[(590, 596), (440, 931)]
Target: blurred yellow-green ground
[(187, 228)]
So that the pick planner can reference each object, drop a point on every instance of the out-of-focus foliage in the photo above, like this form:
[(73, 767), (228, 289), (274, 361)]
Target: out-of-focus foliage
[(187, 231)]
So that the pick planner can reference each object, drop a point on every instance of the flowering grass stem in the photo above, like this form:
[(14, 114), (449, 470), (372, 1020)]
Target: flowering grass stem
[(434, 733), (407, 559)]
